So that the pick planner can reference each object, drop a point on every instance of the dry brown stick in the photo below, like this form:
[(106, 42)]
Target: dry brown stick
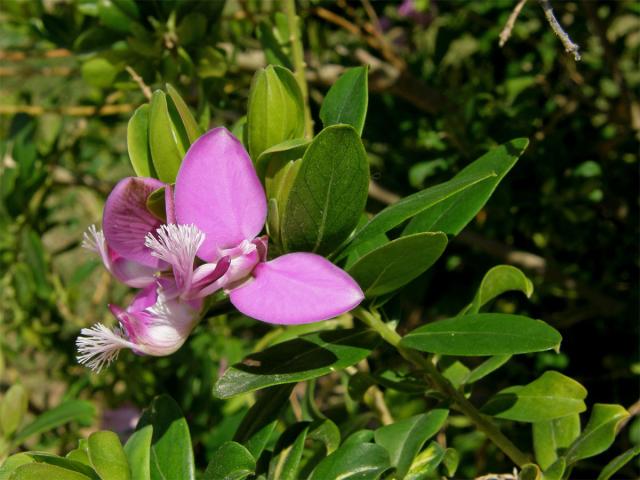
[(74, 111), (140, 81), (511, 21), (568, 44)]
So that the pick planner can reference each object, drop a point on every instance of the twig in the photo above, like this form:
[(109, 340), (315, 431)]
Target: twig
[(508, 27), (569, 46), (140, 81), (74, 111)]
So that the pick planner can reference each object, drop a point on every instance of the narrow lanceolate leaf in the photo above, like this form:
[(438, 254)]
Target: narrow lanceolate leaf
[(190, 125), (452, 215), (231, 461), (12, 409), (617, 463), (405, 438), (599, 433), (288, 452), (426, 462), (304, 358), (395, 214), (138, 451), (347, 100), (275, 110), (553, 437), (498, 280), (484, 334), (66, 463), (163, 142), (551, 396), (556, 470), (391, 266), (107, 456), (171, 452), (328, 194), (353, 461), (485, 368), (138, 143), (72, 410), (273, 158)]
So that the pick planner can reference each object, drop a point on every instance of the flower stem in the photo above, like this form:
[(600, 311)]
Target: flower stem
[(297, 57), (373, 320)]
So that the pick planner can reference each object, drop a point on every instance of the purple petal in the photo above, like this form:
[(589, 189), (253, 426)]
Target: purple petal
[(126, 220), (297, 288), (217, 190), (132, 273)]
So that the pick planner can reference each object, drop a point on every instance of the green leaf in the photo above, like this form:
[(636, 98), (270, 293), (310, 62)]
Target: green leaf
[(12, 463), (346, 101), (304, 358), (452, 215), (484, 334), (38, 471), (163, 142), (328, 194), (66, 463), (71, 410), (107, 456), (273, 158), (599, 433), (171, 451), (99, 72), (231, 461), (138, 142), (498, 280), (138, 451), (485, 368), (550, 396), (156, 204), (530, 471), (288, 452), (556, 470), (617, 463), (451, 461), (275, 110), (260, 421), (327, 432), (405, 438), (189, 123), (353, 461), (426, 462), (553, 437), (14, 406), (395, 264), (395, 214)]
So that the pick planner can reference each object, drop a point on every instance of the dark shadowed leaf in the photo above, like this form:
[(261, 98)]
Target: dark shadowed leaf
[(288, 452), (361, 461), (304, 358), (484, 334), (391, 266), (617, 463)]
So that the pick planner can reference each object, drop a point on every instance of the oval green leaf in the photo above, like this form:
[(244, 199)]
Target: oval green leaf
[(498, 280), (346, 101), (553, 395), (14, 406), (361, 461), (163, 143), (395, 264), (138, 451), (138, 142), (553, 437), (107, 456), (328, 194), (275, 110), (231, 461), (38, 471), (484, 334), (304, 358), (171, 451), (405, 438)]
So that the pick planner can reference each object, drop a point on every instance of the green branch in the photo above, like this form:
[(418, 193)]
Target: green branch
[(483, 424)]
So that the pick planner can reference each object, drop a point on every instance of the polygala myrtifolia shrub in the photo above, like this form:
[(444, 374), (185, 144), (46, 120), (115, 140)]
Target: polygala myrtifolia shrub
[(269, 220)]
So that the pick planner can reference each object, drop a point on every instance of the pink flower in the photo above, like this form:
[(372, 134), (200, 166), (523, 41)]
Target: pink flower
[(210, 242)]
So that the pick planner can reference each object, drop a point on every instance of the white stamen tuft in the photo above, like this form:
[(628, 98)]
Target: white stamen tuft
[(177, 245), (98, 346), (94, 240)]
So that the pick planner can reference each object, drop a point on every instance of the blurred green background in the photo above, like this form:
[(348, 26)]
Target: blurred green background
[(442, 92)]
